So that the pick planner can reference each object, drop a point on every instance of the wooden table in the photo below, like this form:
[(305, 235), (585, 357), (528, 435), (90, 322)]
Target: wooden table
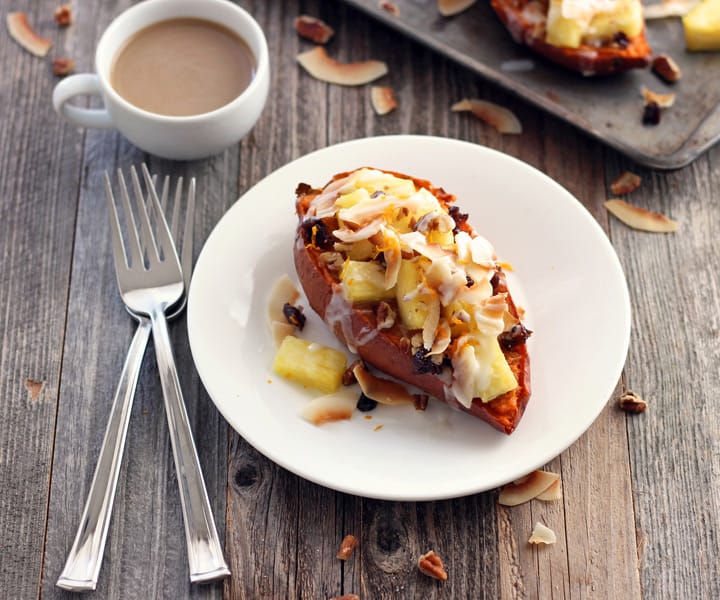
[(641, 508)]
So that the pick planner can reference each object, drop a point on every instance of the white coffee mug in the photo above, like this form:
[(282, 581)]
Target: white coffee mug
[(180, 138)]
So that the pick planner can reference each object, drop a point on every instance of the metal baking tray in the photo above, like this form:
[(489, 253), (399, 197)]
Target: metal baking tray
[(608, 108)]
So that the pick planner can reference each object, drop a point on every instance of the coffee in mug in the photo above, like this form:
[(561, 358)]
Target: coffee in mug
[(182, 67)]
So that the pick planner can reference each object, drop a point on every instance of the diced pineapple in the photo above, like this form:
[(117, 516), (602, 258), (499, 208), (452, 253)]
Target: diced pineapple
[(561, 31), (413, 307), (364, 282), (628, 19), (310, 364), (352, 198), (362, 250), (702, 26), (502, 378), (446, 239)]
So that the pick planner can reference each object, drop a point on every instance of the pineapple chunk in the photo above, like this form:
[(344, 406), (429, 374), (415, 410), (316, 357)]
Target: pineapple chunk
[(364, 282), (352, 198), (628, 19), (702, 26), (414, 307), (502, 379), (561, 31), (310, 364), (444, 239), (362, 250)]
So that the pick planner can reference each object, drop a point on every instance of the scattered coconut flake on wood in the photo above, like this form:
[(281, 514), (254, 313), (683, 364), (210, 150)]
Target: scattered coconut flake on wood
[(380, 389), (662, 100), (448, 8), (322, 67), (669, 8), (21, 31), (526, 488), (542, 534), (554, 492), (640, 218), (625, 183), (499, 117), (337, 406), (314, 29), (382, 99)]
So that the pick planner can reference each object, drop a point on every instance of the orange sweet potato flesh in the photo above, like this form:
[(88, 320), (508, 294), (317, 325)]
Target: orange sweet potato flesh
[(632, 53), (387, 351)]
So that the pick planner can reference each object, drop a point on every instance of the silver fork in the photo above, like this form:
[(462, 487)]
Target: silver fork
[(82, 566), (150, 292)]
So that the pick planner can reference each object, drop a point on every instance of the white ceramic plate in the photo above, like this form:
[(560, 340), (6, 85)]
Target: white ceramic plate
[(567, 276)]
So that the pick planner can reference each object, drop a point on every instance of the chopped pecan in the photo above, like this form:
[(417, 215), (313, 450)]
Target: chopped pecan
[(63, 66), (625, 183), (313, 29), (347, 546), (632, 402), (348, 377), (63, 15), (431, 564), (390, 7), (420, 401), (666, 68)]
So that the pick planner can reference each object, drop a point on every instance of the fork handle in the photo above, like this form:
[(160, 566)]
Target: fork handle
[(205, 555), (85, 557)]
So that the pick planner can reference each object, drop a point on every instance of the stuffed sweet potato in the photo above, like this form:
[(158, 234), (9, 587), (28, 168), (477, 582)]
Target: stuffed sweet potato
[(395, 270), (594, 37)]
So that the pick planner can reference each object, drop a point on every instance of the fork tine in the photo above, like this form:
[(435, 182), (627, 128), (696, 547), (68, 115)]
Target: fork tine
[(187, 248), (175, 220), (162, 239), (117, 242), (136, 251), (145, 231)]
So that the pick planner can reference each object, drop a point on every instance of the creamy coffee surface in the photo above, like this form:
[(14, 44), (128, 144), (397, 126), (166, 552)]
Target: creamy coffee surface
[(182, 67)]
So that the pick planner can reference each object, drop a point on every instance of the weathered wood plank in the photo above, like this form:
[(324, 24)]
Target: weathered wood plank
[(40, 161), (675, 445)]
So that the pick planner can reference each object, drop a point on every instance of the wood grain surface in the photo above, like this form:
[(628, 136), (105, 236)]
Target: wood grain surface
[(640, 510)]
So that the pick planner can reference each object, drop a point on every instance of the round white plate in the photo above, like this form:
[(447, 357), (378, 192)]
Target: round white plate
[(567, 276)]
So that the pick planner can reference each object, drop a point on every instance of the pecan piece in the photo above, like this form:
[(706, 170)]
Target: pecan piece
[(431, 564), (390, 7), (632, 402), (385, 315), (347, 546), (313, 29), (63, 66), (63, 15), (666, 68), (420, 401), (625, 183)]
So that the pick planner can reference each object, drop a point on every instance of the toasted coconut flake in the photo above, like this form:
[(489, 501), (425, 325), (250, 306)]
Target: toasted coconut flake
[(338, 406), (283, 292), (21, 31), (313, 29), (542, 534), (499, 117), (280, 331), (381, 390), (63, 66), (382, 99), (390, 7), (63, 15), (529, 487), (625, 183), (554, 492), (639, 218), (669, 8), (662, 100), (448, 8), (322, 67)]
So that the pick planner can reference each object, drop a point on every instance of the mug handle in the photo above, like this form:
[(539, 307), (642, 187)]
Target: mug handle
[(81, 85)]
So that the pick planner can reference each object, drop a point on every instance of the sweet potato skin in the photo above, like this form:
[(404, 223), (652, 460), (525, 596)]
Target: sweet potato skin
[(386, 350), (588, 60)]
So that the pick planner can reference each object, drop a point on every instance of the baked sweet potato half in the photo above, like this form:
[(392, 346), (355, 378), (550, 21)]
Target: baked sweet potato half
[(395, 270), (614, 44)]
